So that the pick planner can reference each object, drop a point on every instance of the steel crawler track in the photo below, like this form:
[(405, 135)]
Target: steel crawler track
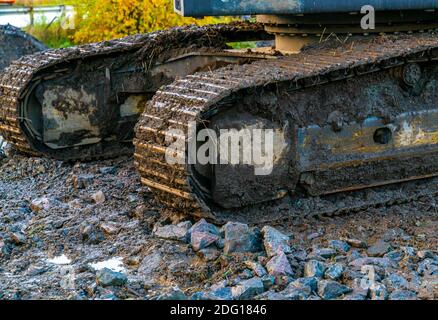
[(17, 79), (198, 97)]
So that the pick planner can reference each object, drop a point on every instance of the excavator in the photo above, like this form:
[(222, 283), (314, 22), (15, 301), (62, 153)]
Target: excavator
[(346, 108)]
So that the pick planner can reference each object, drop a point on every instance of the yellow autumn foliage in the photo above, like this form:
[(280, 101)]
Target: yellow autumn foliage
[(98, 20)]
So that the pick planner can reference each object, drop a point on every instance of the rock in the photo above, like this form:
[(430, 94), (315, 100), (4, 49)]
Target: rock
[(220, 243), (415, 279), (427, 254), (421, 237), (209, 254), (6, 249), (203, 234), (246, 274), (354, 296), (107, 277), (220, 294), (98, 197), (334, 272), (268, 281), (36, 270), (107, 170), (313, 236), (150, 264), (379, 248), (361, 286), (403, 295), (354, 254), (238, 237), (339, 245), (409, 251), (275, 241), (283, 280), (271, 295), (219, 285), (326, 253), (257, 268), (373, 273), (313, 256), (329, 289), (38, 169), (381, 262), (18, 238), (173, 294), (378, 291), (427, 267), (39, 204), (355, 243), (429, 289), (248, 289), (107, 296), (109, 228), (314, 268), (82, 181), (341, 259), (292, 293), (179, 232), (351, 274), (132, 198), (299, 253), (395, 282), (279, 266), (92, 235), (314, 297), (133, 261), (394, 255), (394, 234), (199, 296), (311, 283)]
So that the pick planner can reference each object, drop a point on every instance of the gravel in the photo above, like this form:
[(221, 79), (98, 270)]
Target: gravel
[(91, 231)]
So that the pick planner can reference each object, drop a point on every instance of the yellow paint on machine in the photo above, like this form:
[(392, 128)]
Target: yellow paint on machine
[(417, 131), (413, 134)]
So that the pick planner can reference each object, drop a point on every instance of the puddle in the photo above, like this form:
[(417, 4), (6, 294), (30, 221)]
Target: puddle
[(61, 260), (114, 264)]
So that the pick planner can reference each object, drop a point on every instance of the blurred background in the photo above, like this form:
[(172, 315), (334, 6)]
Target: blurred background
[(63, 23)]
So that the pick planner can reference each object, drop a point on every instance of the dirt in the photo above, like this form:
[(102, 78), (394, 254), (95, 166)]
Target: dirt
[(14, 44), (88, 229)]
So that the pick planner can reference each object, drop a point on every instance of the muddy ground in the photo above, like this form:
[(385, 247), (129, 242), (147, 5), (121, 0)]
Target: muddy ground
[(62, 223), (14, 44)]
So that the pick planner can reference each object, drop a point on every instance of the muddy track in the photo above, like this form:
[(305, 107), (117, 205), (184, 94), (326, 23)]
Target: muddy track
[(198, 97), (19, 78)]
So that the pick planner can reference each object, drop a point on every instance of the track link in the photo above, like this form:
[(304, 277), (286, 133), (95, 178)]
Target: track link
[(18, 78), (198, 97)]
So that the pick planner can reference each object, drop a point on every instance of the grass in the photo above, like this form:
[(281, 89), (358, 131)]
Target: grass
[(51, 33), (243, 45)]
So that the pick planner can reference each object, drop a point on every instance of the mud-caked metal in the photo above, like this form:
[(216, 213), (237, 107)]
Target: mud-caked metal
[(354, 111)]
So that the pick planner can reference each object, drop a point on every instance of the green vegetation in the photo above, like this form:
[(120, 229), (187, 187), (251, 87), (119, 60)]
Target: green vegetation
[(98, 20), (243, 45), (51, 33)]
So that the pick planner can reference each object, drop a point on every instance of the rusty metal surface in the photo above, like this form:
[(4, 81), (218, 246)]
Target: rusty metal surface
[(17, 79), (199, 97)]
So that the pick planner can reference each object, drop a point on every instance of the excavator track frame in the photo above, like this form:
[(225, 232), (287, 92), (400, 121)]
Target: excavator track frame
[(199, 96), (19, 77)]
